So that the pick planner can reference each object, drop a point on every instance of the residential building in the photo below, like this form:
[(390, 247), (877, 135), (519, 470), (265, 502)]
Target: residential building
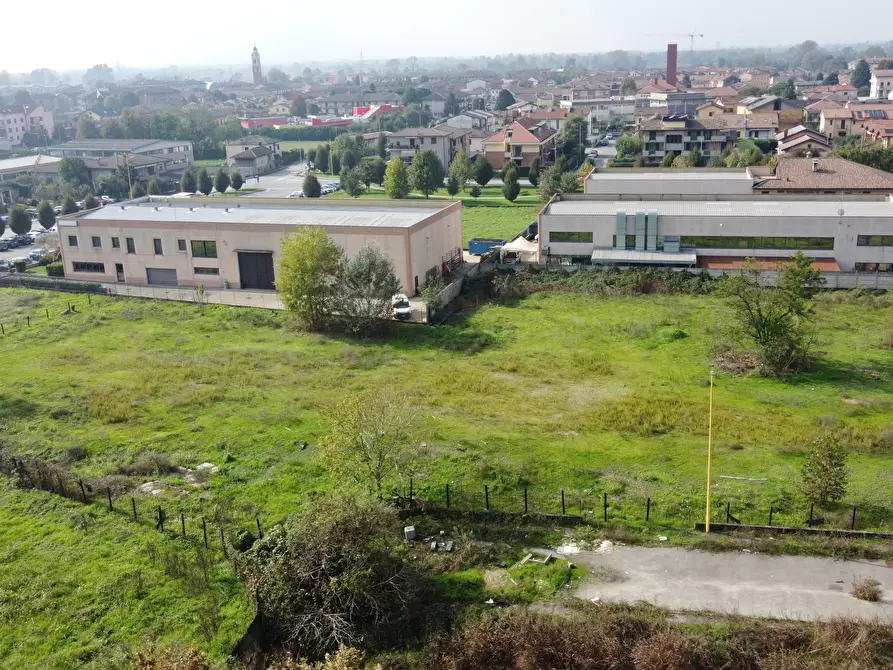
[(680, 134), (801, 139), (257, 73), (473, 119), (371, 139), (840, 92), (836, 122), (881, 84), (159, 96), (232, 242), (17, 120), (520, 145), (234, 147), (812, 113), (519, 108), (341, 104), (445, 141), (711, 233), (177, 154), (879, 133), (606, 111), (252, 161), (280, 107)]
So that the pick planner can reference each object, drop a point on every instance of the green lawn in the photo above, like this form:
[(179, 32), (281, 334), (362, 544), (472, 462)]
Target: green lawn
[(306, 145), (558, 391)]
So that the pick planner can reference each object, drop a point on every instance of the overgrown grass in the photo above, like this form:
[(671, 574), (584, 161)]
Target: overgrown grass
[(557, 391)]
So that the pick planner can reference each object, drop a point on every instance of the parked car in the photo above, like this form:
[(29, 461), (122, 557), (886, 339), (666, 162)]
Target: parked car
[(402, 308), (5, 265), (296, 194), (108, 199), (35, 254), (4, 245), (592, 152), (79, 204), (57, 210), (24, 240)]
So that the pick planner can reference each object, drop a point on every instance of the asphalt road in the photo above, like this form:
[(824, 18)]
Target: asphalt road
[(283, 183)]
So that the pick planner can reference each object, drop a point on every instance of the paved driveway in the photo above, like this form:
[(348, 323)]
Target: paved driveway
[(282, 183)]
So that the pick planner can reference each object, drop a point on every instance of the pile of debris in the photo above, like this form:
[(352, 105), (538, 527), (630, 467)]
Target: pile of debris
[(437, 542)]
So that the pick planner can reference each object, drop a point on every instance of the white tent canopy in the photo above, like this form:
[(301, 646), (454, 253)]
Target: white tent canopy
[(526, 251)]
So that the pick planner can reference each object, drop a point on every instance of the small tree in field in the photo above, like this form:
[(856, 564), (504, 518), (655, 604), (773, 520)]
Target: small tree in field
[(46, 215), (352, 182), (311, 187), (483, 171), (396, 180), (475, 191), (824, 475), (204, 182), (461, 168), (426, 172), (236, 180), (188, 183), (371, 439), (154, 186), (69, 206), (510, 186), (19, 221), (310, 271), (368, 283), (452, 185), (221, 181)]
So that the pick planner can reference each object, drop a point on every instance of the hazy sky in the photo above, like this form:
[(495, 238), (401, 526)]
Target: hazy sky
[(68, 35)]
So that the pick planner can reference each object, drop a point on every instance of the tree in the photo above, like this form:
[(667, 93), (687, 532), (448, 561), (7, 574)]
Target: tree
[(451, 106), (68, 205), (483, 171), (310, 271), (475, 191), (330, 577), (352, 182), (461, 168), (686, 80), (221, 181), (786, 90), (99, 74), (19, 221), (716, 161), (90, 202), (368, 284), (550, 182), (349, 149), (311, 155), (322, 158), (533, 175), (668, 159), (204, 182), (188, 182), (298, 106), (572, 139), (376, 170), (861, 75), (452, 185), (310, 187), (396, 180), (73, 171), (628, 145), (235, 179), (510, 186), (776, 320), (46, 215), (277, 76), (504, 99), (569, 182), (824, 475), (832, 79), (137, 191), (307, 75), (87, 129), (381, 146), (154, 187), (426, 173), (628, 86)]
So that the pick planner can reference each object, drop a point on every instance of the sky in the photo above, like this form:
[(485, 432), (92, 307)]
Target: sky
[(162, 33)]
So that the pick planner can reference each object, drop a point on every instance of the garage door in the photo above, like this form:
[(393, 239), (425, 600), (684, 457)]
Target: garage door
[(161, 277), (256, 270)]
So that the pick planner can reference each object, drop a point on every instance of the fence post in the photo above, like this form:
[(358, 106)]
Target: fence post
[(448, 496), (223, 543), (811, 506), (648, 510), (83, 491), (606, 506), (47, 310), (728, 511), (771, 510), (2, 329), (160, 519), (486, 497), (853, 522), (410, 492), (133, 504), (28, 319), (205, 531), (89, 301), (260, 531), (525, 500), (108, 493), (562, 503), (183, 524)]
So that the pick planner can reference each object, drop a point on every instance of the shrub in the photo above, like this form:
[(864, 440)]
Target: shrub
[(865, 588), (475, 192), (75, 453), (20, 266), (56, 269)]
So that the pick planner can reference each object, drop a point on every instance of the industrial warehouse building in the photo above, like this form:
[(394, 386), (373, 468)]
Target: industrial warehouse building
[(235, 242), (843, 235)]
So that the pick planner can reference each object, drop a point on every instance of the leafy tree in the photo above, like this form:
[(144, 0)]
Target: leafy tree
[(68, 205), (322, 158), (349, 149), (381, 146), (832, 79), (483, 171), (331, 577), (668, 159), (368, 284), (572, 138), (396, 180), (19, 221), (824, 475), (73, 171), (87, 129), (205, 185), (786, 90), (90, 202), (310, 187), (452, 185), (686, 80), (236, 180), (137, 191), (277, 76), (533, 175), (221, 181), (475, 191), (504, 99), (154, 187), (873, 156), (461, 168), (46, 215), (569, 182), (628, 86), (451, 106), (188, 182), (426, 172), (377, 169), (776, 320), (510, 186), (629, 145), (352, 182), (550, 182), (716, 161), (639, 162), (311, 155), (310, 270), (307, 75)]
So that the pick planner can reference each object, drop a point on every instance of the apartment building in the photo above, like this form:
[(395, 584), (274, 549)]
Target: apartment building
[(444, 140), (520, 144), (680, 134), (881, 84), (17, 120)]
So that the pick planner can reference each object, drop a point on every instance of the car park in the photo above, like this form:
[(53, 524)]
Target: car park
[(4, 245), (24, 240)]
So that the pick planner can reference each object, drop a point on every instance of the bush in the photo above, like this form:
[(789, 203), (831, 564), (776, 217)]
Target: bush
[(44, 261), (56, 269), (865, 588), (20, 266), (475, 192)]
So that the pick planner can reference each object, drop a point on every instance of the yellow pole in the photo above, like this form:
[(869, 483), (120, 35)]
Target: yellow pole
[(709, 451)]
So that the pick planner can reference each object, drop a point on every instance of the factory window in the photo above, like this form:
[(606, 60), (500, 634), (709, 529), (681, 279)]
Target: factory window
[(158, 250), (874, 267), (206, 271), (131, 249), (116, 243), (97, 242), (72, 240), (581, 236), (630, 241), (758, 242), (88, 267), (874, 241), (204, 249), (181, 245)]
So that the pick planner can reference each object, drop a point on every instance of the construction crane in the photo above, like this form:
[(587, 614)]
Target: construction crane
[(690, 36)]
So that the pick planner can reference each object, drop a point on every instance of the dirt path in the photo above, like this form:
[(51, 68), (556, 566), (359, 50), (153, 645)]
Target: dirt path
[(787, 587)]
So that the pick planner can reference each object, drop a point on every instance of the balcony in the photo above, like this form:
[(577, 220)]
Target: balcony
[(402, 152)]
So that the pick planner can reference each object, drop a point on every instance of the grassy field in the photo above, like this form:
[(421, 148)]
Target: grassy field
[(556, 391), (306, 145)]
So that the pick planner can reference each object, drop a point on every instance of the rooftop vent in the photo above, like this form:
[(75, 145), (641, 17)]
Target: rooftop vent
[(815, 164)]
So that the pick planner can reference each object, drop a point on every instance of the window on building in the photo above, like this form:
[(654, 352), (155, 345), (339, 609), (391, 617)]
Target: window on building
[(72, 240), (88, 267), (181, 245), (204, 249), (158, 250), (874, 241), (131, 249), (581, 236), (814, 243), (874, 267), (630, 241), (116, 243), (97, 242), (206, 271)]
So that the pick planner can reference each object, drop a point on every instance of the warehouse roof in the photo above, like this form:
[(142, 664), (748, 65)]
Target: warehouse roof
[(744, 208), (670, 174), (196, 212)]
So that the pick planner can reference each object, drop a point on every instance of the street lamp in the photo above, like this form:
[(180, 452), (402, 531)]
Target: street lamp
[(709, 450)]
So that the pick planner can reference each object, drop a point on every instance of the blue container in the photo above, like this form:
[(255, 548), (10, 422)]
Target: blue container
[(481, 245)]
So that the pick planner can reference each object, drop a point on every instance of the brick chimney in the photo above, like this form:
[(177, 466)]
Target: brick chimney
[(671, 64)]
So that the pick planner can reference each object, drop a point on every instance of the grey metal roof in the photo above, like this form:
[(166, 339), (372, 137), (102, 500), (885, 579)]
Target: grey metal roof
[(671, 175), (116, 145), (630, 256), (743, 208)]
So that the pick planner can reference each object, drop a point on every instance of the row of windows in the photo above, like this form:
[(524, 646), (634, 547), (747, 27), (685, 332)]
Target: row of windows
[(581, 236), (758, 242), (874, 267), (875, 240), (88, 267), (200, 248)]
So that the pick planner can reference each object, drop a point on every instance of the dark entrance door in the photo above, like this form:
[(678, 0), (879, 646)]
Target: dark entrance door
[(119, 271), (256, 270)]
